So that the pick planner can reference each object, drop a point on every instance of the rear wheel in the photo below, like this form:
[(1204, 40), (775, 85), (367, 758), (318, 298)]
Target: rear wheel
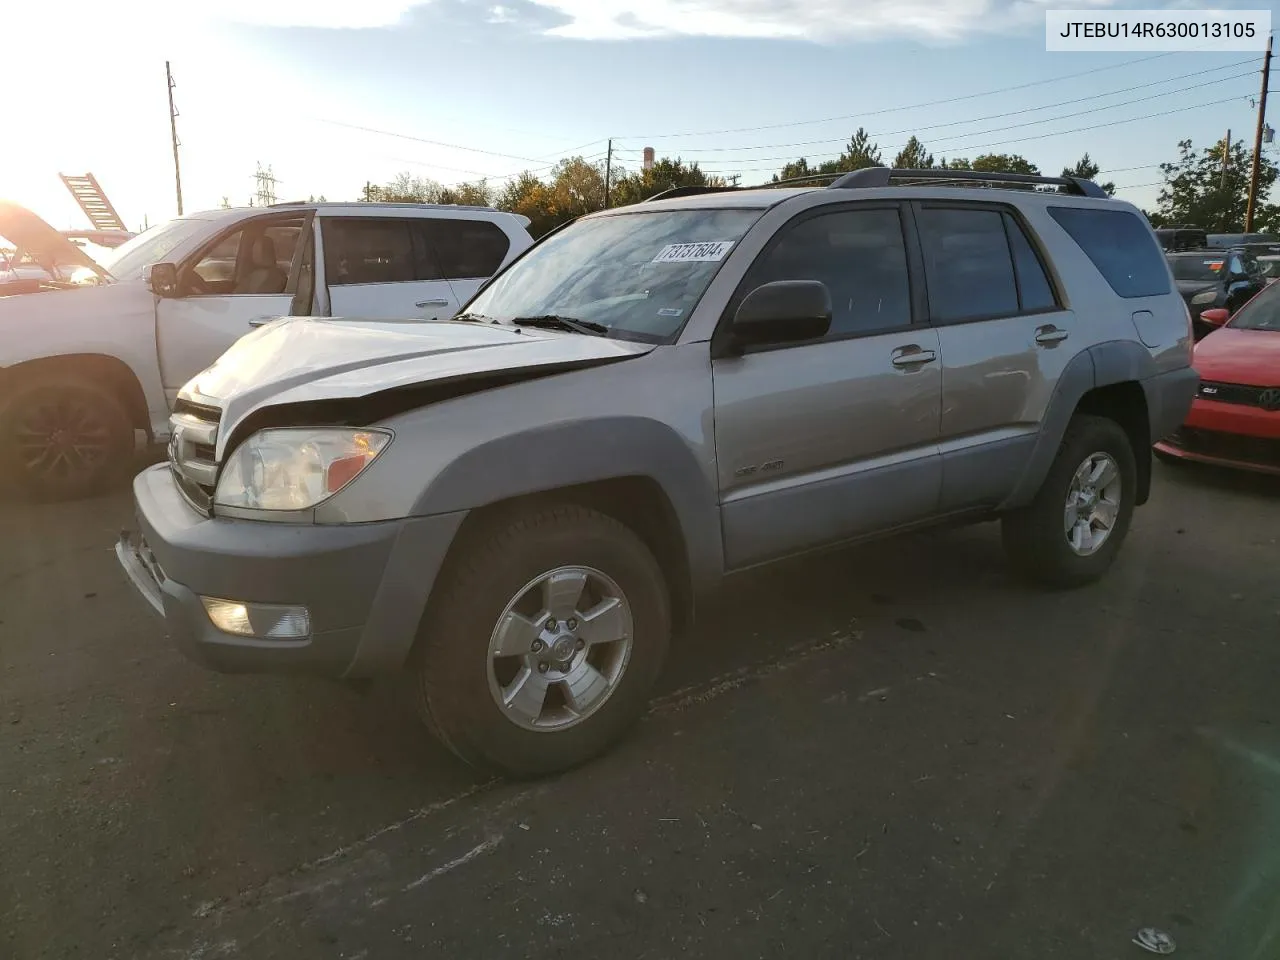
[(544, 641), (63, 439), (1070, 533)]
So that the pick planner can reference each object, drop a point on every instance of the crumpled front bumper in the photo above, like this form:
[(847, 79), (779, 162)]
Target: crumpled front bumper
[(365, 586)]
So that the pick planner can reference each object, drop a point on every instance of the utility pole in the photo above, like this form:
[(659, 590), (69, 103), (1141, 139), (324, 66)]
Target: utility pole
[(1256, 170), (733, 180), (173, 135), (608, 174), (1226, 155)]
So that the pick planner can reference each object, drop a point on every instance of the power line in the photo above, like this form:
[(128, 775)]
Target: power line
[(914, 106), (1008, 113), (434, 143), (999, 143)]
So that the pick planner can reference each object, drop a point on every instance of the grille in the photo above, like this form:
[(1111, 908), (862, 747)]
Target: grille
[(1229, 446), (193, 434), (1239, 393)]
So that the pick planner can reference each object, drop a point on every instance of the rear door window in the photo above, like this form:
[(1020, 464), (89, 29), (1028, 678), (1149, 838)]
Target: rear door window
[(1120, 245), (465, 249), (968, 264), (368, 251)]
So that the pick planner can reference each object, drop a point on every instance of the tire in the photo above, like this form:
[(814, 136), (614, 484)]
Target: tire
[(502, 567), (39, 426), (1036, 538)]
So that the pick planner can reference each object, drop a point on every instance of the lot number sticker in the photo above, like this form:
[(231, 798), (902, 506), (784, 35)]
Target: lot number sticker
[(712, 251)]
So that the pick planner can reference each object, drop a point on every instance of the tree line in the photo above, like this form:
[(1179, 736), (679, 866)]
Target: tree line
[(1206, 187)]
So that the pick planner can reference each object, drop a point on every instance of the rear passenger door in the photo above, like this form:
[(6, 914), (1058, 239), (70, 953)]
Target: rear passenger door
[(1004, 337), (830, 439), (383, 268), (468, 252)]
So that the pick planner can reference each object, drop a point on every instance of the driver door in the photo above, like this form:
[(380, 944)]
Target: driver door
[(255, 272)]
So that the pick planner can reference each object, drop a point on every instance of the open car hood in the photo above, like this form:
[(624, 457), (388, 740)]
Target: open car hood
[(40, 241), (363, 370)]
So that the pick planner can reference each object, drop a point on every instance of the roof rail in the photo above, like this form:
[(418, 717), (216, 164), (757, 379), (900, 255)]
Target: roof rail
[(687, 192), (881, 177)]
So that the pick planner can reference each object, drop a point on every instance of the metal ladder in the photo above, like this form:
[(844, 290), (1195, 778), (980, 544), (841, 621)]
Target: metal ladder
[(93, 201)]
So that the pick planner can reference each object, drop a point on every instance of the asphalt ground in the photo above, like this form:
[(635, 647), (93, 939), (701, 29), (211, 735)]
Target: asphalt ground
[(892, 751)]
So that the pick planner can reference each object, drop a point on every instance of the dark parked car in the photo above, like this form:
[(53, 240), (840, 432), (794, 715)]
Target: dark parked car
[(1209, 279), (1175, 238), (1227, 240)]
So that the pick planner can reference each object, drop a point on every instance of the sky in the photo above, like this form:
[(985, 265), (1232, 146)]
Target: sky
[(330, 95)]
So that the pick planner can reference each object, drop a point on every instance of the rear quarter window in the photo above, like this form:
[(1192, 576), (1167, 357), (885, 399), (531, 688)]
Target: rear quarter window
[(1120, 245)]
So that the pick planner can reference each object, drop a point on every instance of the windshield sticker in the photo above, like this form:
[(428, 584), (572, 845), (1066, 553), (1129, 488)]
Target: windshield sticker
[(670, 312), (712, 251)]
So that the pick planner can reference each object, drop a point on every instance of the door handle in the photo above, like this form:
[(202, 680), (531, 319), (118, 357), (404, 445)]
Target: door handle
[(438, 302), (913, 357), (1051, 334)]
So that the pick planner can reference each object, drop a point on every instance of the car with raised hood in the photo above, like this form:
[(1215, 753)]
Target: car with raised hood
[(1235, 418), (523, 503), (95, 361), (1215, 279)]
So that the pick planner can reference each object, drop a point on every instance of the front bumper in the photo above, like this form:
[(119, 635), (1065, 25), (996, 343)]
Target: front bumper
[(364, 585), (1228, 435)]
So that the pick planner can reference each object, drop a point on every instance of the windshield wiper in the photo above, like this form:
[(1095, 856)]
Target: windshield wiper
[(475, 317), (553, 321)]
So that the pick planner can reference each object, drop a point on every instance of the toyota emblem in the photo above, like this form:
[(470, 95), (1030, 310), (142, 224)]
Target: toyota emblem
[(1270, 399)]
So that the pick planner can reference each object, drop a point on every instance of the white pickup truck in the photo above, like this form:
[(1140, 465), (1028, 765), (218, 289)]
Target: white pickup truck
[(87, 366)]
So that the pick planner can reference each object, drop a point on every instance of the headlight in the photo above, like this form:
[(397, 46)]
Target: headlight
[(293, 469), (1207, 297)]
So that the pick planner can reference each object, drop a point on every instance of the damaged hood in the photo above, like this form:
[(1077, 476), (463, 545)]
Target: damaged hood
[(306, 360), (40, 241)]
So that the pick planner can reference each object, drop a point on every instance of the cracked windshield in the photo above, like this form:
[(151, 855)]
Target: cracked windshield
[(515, 478)]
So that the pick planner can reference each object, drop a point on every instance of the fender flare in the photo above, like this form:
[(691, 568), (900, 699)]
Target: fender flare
[(567, 454), (1102, 365)]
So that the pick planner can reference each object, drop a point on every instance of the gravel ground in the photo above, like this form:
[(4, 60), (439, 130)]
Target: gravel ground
[(891, 751)]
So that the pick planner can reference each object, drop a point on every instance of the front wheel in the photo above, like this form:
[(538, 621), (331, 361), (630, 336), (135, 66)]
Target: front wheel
[(64, 438), (1070, 533), (543, 642)]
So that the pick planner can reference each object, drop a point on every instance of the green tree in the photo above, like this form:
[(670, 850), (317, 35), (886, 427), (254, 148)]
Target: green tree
[(913, 156), (1004, 163), (860, 152), (1087, 169), (663, 175), (1199, 191)]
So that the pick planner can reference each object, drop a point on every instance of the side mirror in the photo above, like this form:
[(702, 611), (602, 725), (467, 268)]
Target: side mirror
[(1216, 316), (784, 311), (162, 278)]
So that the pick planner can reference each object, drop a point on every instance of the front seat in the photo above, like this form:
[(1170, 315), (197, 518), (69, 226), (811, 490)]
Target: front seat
[(264, 274)]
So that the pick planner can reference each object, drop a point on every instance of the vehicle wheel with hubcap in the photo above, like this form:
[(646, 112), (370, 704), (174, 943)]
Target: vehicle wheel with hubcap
[(63, 439), (542, 642), (1069, 534)]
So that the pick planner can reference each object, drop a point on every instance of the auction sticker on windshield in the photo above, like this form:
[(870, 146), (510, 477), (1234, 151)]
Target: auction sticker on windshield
[(710, 251)]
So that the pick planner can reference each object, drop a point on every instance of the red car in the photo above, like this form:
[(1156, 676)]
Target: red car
[(1235, 418)]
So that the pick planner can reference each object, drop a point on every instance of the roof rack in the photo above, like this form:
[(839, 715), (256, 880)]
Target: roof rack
[(357, 204), (881, 177)]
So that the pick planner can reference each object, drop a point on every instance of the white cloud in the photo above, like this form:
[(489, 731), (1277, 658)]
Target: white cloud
[(164, 17), (814, 20), (501, 14)]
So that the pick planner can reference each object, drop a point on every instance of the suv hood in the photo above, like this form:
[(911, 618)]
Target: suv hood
[(307, 361), (1231, 355), (45, 245)]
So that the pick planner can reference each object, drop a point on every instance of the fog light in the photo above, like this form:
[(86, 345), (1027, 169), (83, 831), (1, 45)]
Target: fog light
[(263, 620)]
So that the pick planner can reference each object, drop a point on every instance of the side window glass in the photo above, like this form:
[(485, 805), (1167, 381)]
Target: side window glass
[(1033, 283), (367, 251), (968, 264), (860, 256), (215, 272), (255, 259), (467, 249), (1120, 245)]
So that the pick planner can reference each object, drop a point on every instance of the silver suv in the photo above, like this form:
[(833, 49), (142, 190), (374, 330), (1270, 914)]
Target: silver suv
[(522, 503)]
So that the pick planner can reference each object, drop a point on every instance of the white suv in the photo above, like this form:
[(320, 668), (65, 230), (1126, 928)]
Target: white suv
[(81, 369)]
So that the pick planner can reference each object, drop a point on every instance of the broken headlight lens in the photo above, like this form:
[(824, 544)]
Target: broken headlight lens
[(294, 468)]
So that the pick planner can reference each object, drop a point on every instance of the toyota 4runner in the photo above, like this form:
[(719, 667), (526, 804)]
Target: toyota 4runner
[(520, 504)]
